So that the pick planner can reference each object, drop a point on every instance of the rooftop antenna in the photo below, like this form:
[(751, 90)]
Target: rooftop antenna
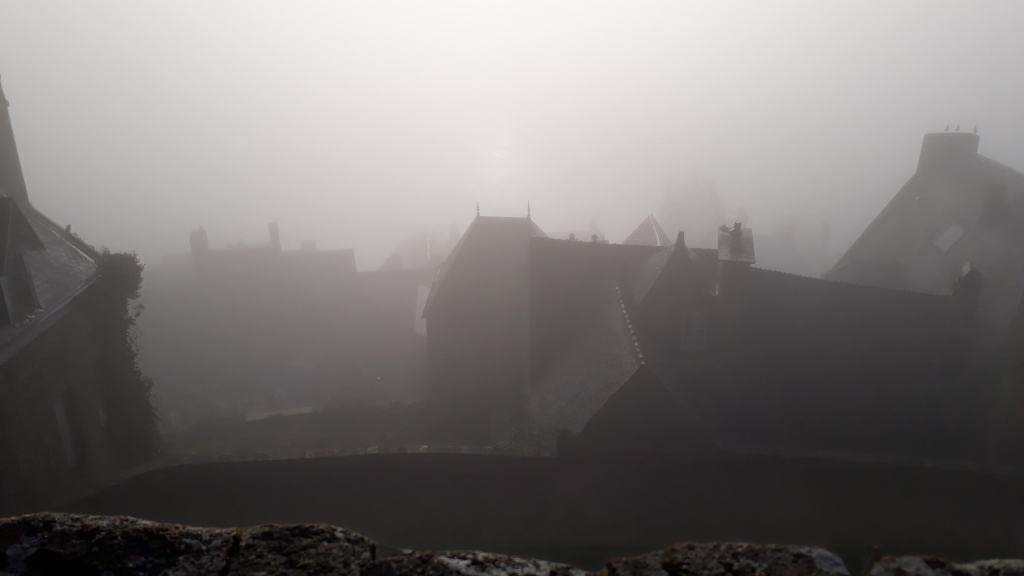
[(477, 209), (527, 210)]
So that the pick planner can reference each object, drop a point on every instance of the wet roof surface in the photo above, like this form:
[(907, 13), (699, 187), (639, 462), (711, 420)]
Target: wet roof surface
[(60, 271)]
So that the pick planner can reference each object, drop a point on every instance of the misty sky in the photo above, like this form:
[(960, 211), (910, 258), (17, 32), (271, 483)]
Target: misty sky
[(356, 124)]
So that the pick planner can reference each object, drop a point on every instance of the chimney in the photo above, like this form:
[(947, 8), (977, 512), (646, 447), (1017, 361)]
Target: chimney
[(941, 151), (967, 290), (12, 181), (735, 256), (275, 236), (736, 244), (198, 241)]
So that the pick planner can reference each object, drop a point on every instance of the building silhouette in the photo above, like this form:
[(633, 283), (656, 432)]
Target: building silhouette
[(71, 415)]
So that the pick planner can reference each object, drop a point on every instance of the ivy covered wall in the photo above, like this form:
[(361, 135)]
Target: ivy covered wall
[(74, 406)]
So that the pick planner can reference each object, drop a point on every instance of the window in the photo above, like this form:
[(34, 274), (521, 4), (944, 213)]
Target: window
[(948, 237)]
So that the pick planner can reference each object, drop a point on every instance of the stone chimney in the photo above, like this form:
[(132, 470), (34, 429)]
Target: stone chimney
[(198, 241), (275, 236), (941, 151), (735, 256)]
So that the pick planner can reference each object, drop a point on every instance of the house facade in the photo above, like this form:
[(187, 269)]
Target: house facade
[(75, 408)]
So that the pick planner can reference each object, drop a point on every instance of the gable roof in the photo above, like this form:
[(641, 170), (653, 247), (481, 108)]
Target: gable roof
[(648, 233), (51, 266), (486, 241), (583, 346), (588, 369), (59, 272), (12, 180), (16, 233), (958, 207)]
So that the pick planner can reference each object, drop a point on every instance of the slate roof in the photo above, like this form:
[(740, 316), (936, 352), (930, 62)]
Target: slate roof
[(582, 337), (488, 238), (59, 265), (590, 368), (648, 273), (648, 233), (59, 272), (645, 414), (958, 207), (811, 363)]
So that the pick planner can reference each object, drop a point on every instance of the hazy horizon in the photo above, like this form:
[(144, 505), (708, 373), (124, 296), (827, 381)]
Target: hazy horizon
[(358, 124)]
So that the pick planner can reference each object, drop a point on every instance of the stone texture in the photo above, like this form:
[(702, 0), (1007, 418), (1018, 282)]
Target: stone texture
[(300, 549), (71, 544), (467, 564), (115, 545), (930, 566), (733, 559)]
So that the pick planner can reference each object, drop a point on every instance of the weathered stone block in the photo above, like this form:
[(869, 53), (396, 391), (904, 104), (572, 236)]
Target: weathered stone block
[(730, 559), (467, 564), (930, 566)]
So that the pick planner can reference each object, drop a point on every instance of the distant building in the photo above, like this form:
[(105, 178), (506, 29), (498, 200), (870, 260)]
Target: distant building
[(653, 345), (478, 325), (247, 331), (648, 233), (63, 411), (420, 251), (958, 208)]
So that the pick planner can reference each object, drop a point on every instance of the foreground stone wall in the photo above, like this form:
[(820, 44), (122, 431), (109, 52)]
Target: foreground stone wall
[(81, 544)]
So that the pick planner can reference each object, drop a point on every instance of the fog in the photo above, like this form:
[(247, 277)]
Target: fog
[(356, 124), (413, 270)]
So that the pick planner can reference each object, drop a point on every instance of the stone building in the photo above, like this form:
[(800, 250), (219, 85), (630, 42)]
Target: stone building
[(959, 210), (74, 406), (246, 332), (653, 345)]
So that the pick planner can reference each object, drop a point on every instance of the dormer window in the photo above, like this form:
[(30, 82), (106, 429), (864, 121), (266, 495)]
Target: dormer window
[(948, 237)]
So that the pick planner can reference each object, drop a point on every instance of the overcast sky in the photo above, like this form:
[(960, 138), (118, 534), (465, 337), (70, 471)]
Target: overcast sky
[(358, 123)]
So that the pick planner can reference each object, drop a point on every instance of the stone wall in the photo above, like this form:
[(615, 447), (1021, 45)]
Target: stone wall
[(52, 418), (78, 544), (582, 511)]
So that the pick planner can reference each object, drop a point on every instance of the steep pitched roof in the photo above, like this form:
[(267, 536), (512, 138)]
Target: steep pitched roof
[(59, 272), (643, 413), (488, 239), (588, 369), (16, 233), (648, 273), (583, 346), (958, 207), (44, 264), (12, 181), (648, 233)]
